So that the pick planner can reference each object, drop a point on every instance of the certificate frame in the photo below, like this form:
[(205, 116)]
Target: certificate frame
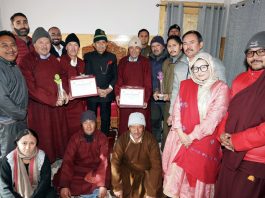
[(132, 97), (83, 86)]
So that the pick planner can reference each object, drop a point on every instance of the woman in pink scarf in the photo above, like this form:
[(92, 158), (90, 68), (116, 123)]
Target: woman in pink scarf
[(26, 171), (192, 155)]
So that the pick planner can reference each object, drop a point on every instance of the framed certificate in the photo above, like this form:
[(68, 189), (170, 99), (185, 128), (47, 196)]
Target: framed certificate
[(83, 86), (131, 97)]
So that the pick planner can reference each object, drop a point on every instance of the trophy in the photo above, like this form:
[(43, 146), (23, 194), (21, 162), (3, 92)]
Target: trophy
[(58, 81), (160, 77)]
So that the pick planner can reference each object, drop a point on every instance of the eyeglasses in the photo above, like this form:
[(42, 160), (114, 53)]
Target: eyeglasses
[(260, 52), (203, 68)]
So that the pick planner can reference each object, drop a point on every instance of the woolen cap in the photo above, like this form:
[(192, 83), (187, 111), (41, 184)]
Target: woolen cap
[(135, 42), (88, 115), (100, 35), (39, 33), (72, 38), (136, 118), (174, 26), (158, 39), (258, 40)]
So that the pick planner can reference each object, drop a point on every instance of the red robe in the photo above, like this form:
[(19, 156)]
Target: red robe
[(82, 158), (75, 107), (134, 74), (44, 117)]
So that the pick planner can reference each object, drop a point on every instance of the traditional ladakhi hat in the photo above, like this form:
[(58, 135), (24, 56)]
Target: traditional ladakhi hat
[(174, 26), (72, 38), (88, 115), (258, 40), (158, 39), (100, 35), (39, 33), (136, 118), (135, 42)]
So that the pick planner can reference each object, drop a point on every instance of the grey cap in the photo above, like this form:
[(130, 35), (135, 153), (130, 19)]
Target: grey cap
[(88, 115), (258, 40), (39, 33)]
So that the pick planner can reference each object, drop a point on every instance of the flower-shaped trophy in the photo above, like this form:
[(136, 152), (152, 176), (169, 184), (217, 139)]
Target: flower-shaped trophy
[(58, 81), (160, 77)]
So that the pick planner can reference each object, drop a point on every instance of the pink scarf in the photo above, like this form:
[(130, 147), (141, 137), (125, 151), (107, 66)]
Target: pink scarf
[(25, 183)]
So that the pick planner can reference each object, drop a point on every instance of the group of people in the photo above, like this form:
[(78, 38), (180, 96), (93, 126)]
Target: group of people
[(193, 136)]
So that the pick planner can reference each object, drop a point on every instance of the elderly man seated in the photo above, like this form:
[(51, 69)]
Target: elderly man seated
[(85, 167), (136, 162)]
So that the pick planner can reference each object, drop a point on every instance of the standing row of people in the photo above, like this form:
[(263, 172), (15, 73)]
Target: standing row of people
[(196, 105)]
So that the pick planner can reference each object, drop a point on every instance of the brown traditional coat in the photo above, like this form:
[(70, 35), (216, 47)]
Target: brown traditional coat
[(136, 167)]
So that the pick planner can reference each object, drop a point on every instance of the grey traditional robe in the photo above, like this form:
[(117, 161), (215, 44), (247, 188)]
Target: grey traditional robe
[(13, 104)]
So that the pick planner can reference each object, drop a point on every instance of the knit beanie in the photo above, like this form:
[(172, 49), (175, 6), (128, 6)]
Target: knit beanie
[(100, 35), (258, 40), (136, 118), (174, 26), (135, 42), (72, 38), (39, 33), (88, 115), (158, 39)]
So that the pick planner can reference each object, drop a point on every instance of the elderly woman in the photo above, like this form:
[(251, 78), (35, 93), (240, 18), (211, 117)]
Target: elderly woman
[(192, 154), (26, 171)]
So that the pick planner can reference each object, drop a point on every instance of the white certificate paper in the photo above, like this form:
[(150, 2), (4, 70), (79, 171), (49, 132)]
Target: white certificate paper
[(132, 97), (83, 86)]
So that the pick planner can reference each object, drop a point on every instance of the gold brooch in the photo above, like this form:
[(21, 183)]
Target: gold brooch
[(251, 178)]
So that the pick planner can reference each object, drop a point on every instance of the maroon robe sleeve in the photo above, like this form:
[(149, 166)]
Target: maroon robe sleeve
[(36, 93), (119, 82), (64, 76), (68, 162), (147, 81), (102, 173)]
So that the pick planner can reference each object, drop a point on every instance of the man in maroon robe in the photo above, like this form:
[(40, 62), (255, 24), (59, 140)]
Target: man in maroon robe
[(242, 131), (85, 169), (134, 70), (45, 113), (74, 67)]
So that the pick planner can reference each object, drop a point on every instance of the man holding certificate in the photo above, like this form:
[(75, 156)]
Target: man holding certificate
[(74, 67), (134, 75), (102, 65)]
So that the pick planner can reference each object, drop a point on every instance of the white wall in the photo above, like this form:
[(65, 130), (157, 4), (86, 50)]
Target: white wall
[(84, 16)]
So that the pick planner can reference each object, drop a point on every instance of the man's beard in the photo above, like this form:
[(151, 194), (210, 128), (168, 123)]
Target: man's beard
[(56, 42), (22, 31)]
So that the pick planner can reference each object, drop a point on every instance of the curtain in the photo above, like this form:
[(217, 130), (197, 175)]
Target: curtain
[(174, 12), (210, 25), (244, 20)]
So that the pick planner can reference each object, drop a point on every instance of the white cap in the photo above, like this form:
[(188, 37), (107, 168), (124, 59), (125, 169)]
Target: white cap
[(135, 42), (136, 118)]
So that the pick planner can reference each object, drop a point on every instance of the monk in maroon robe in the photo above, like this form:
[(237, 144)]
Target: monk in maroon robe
[(85, 169), (74, 67), (134, 70), (45, 113)]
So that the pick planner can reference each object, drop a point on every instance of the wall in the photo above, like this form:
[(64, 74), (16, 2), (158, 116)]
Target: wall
[(115, 16), (123, 17)]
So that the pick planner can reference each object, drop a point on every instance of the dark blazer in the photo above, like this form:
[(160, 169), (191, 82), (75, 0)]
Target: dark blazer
[(104, 68), (55, 53)]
